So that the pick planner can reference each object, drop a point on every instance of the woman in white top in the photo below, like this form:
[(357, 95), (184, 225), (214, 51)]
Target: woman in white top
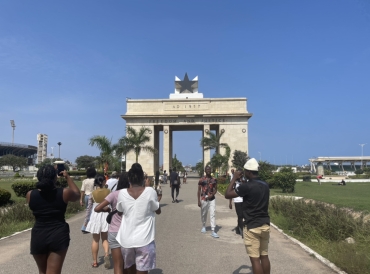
[(138, 205)]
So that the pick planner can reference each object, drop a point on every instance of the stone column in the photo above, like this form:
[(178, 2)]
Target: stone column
[(166, 148), (206, 153)]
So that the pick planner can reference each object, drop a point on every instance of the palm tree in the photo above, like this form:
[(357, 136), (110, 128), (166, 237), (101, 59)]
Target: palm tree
[(106, 149), (212, 142), (135, 140)]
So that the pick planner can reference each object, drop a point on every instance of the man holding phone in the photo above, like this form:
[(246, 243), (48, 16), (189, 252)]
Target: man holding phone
[(256, 194)]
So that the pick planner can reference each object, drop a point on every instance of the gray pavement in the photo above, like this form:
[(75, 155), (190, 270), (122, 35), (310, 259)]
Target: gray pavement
[(181, 248)]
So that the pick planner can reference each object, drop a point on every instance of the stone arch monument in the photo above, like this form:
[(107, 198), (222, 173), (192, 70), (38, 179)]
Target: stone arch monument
[(186, 110)]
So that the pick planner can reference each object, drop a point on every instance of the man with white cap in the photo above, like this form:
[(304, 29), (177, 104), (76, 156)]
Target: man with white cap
[(112, 182), (256, 194)]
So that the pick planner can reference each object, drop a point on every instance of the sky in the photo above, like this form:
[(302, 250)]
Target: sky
[(66, 68)]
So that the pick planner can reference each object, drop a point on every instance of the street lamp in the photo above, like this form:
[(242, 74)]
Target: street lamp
[(59, 144), (13, 126), (362, 155)]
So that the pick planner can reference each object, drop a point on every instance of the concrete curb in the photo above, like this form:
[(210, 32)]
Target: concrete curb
[(306, 248), (16, 233)]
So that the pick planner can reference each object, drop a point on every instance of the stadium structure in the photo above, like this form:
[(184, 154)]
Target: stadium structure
[(340, 165), (22, 150)]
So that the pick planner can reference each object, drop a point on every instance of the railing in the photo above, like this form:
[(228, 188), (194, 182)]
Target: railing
[(16, 145)]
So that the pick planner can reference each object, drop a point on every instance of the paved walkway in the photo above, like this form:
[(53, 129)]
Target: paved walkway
[(181, 248)]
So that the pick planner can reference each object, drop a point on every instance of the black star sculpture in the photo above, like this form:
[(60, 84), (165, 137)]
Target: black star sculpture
[(185, 86)]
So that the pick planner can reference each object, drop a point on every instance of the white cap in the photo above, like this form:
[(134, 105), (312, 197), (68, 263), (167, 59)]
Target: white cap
[(251, 164)]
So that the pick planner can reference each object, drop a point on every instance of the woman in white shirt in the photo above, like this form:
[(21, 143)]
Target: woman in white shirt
[(138, 205)]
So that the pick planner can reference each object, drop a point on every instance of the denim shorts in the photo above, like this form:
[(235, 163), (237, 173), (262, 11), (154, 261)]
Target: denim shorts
[(144, 257)]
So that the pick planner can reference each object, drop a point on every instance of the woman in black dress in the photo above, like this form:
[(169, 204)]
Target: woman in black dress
[(50, 234)]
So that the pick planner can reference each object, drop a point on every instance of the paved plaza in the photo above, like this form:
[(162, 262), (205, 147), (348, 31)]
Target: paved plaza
[(181, 248)]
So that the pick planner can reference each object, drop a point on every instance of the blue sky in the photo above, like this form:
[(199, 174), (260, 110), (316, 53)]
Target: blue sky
[(66, 68)]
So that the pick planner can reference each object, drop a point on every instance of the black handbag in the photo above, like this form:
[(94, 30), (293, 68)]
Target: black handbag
[(110, 215)]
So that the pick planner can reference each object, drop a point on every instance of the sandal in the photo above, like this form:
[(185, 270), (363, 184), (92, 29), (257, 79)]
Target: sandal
[(94, 265)]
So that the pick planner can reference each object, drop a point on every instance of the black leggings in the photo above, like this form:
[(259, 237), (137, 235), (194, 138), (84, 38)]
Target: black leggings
[(177, 187), (239, 212)]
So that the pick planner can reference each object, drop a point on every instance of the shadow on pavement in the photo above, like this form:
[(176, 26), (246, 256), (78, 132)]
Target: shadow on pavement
[(242, 268), (156, 271), (162, 205), (217, 228)]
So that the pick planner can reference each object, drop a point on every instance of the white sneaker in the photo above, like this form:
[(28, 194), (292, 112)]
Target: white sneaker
[(203, 230)]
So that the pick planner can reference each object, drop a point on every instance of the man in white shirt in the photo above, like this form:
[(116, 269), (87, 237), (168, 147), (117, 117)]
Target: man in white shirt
[(112, 182)]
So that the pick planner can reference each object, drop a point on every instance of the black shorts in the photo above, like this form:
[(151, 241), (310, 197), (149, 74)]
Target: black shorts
[(53, 238)]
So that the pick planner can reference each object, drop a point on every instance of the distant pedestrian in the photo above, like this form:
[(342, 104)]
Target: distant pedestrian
[(98, 225), (174, 185), (50, 233), (86, 189), (111, 183), (156, 179), (165, 177), (184, 177), (136, 235), (256, 194), (207, 189), (115, 223), (319, 177)]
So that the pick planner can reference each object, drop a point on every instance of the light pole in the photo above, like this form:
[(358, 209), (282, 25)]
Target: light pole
[(13, 126), (260, 155), (362, 155), (59, 144)]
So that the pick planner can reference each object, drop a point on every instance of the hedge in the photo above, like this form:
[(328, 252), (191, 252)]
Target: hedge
[(21, 188), (4, 196)]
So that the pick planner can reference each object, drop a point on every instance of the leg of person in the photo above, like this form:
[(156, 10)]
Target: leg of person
[(239, 213), (212, 217), (203, 214), (252, 238), (104, 241), (87, 217), (95, 249), (145, 258), (265, 238), (41, 261), (118, 261), (129, 255), (172, 193), (177, 192), (55, 261)]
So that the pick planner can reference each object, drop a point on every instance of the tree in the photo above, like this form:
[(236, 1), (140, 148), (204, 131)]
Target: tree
[(199, 167), (106, 149), (239, 159), (50, 161), (13, 161), (85, 161), (265, 172), (177, 164), (285, 179), (135, 141), (218, 161)]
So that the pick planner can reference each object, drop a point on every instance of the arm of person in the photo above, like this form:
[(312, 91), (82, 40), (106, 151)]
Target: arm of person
[(28, 196), (72, 193), (103, 207), (230, 191), (230, 204), (82, 198)]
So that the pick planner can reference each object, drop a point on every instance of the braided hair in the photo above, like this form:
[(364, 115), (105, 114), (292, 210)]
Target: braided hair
[(46, 176), (123, 181), (136, 174), (99, 180)]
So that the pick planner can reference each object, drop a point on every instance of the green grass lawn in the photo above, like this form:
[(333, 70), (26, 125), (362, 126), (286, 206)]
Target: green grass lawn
[(7, 184), (353, 195)]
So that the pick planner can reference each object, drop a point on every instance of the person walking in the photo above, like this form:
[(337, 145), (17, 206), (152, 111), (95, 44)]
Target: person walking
[(86, 190), (238, 203), (256, 195), (138, 205), (98, 225), (207, 189), (50, 233), (174, 185), (156, 179), (165, 177), (112, 182), (111, 200), (184, 178)]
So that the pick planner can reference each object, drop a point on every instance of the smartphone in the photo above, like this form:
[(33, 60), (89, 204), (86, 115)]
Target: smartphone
[(60, 168)]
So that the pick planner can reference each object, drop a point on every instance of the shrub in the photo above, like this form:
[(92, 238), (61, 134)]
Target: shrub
[(306, 178), (16, 175), (61, 182), (359, 171), (77, 172), (4, 196), (21, 188), (222, 180), (285, 179)]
